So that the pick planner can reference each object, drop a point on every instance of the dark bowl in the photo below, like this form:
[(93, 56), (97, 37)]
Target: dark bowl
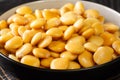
[(99, 72)]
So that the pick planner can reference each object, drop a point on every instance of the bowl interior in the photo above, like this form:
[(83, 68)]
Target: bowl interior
[(109, 14)]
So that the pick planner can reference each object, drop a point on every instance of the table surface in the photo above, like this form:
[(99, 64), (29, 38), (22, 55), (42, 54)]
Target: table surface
[(8, 4)]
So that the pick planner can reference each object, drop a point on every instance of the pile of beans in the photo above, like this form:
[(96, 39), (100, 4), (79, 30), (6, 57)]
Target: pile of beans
[(66, 38)]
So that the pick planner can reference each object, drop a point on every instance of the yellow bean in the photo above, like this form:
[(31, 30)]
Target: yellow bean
[(68, 32), (96, 40), (55, 32), (38, 13), (55, 54), (6, 37), (30, 17), (53, 22), (48, 14), (80, 40), (63, 28), (78, 24), (27, 36), (36, 38), (91, 13), (30, 60), (67, 7), (116, 46), (108, 38), (110, 27), (91, 46), (21, 30), (88, 33), (4, 31), (3, 51), (68, 55), (10, 19), (74, 48), (74, 65), (46, 62), (98, 28), (12, 56), (59, 63), (103, 55), (38, 23), (3, 24), (41, 53), (20, 20), (45, 42), (24, 50), (90, 21), (14, 43), (57, 46), (79, 8), (68, 18), (24, 10), (14, 28), (85, 59)]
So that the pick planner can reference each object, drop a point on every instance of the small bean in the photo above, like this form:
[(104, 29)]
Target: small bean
[(68, 18), (38, 23), (68, 55), (103, 55), (96, 40), (36, 38), (110, 27), (79, 8), (45, 42), (116, 46), (91, 13), (74, 65), (24, 50), (21, 30), (88, 33), (12, 56), (74, 48), (14, 43), (55, 32), (98, 28), (30, 17), (59, 63), (48, 14), (30, 60), (108, 38), (24, 10), (53, 22), (78, 24), (91, 46), (68, 32), (3, 24), (55, 54), (41, 53), (57, 46), (14, 28), (85, 59), (4, 31), (38, 13), (46, 62)]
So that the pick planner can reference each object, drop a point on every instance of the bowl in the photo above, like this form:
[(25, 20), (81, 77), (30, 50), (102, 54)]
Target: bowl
[(99, 72)]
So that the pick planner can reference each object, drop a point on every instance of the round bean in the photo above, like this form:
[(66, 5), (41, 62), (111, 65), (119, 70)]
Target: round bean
[(30, 60), (103, 55), (24, 50), (59, 63)]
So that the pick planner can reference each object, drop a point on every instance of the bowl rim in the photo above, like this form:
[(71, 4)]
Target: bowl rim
[(55, 70)]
